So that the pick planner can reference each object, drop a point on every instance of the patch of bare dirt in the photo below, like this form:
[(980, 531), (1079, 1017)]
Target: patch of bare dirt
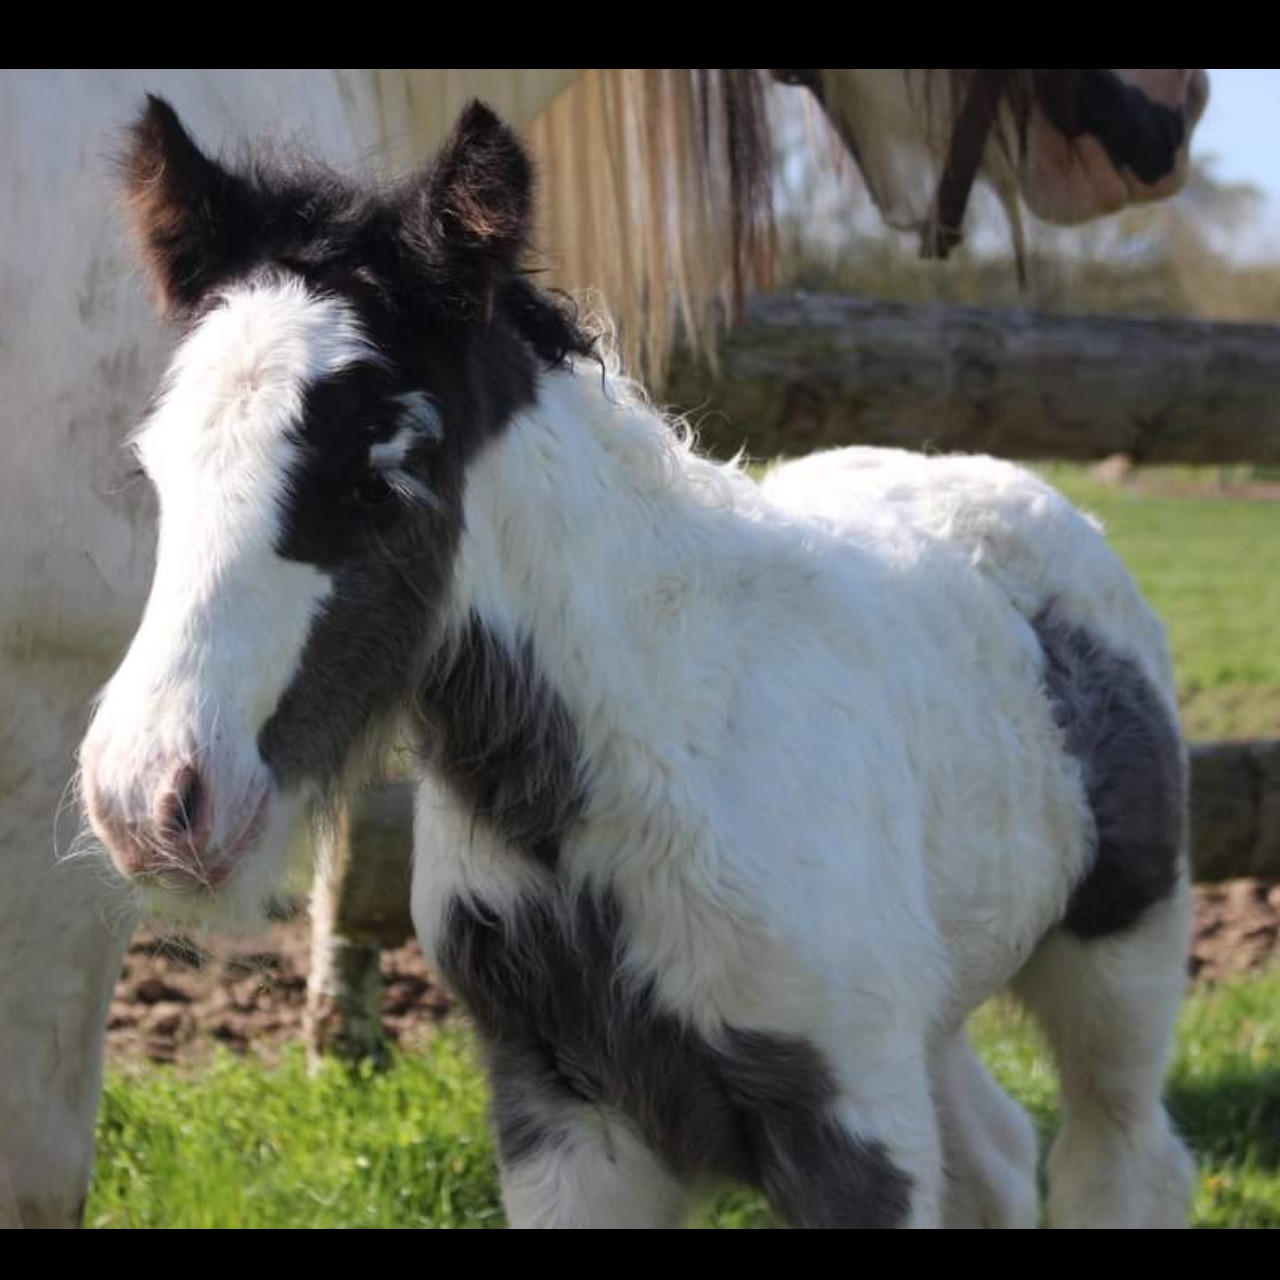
[(1237, 929), (175, 1001)]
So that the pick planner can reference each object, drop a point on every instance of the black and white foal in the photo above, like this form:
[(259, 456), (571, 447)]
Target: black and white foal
[(734, 801)]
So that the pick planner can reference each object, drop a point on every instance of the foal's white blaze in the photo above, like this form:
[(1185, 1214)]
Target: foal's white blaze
[(228, 617)]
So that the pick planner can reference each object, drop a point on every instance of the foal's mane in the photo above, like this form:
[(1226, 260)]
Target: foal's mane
[(295, 213)]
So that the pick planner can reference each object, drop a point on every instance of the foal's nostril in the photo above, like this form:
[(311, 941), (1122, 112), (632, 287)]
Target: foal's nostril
[(181, 817)]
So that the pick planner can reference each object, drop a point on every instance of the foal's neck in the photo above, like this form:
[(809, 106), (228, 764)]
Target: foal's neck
[(588, 503), (599, 560)]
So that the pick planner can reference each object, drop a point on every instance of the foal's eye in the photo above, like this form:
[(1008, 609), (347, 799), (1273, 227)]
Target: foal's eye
[(371, 490)]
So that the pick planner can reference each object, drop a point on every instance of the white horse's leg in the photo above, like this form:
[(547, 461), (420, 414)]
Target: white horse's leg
[(63, 930)]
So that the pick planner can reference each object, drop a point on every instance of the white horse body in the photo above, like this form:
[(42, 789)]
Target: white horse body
[(78, 353)]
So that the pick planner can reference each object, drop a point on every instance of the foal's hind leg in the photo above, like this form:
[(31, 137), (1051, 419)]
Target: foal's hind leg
[(989, 1146), (1108, 1006)]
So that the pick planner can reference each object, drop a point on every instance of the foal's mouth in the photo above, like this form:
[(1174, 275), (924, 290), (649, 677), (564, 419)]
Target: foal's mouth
[(244, 842)]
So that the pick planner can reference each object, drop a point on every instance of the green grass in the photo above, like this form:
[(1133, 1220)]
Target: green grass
[(243, 1145), (240, 1145), (1211, 568)]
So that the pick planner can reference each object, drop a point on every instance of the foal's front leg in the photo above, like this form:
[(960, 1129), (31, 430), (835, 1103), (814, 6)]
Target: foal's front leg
[(591, 1173), (871, 1160), (568, 1164)]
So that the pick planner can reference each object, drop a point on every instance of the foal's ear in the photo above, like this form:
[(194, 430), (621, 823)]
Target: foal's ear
[(470, 214), (186, 211)]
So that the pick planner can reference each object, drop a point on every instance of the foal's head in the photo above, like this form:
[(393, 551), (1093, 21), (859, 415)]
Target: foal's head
[(345, 350)]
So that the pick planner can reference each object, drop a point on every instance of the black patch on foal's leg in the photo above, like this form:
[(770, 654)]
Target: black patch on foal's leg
[(1130, 751), (815, 1173), (563, 1021), (566, 1025), (528, 1090)]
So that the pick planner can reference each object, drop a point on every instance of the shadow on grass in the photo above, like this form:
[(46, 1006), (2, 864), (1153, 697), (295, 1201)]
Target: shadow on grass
[(1232, 1116)]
